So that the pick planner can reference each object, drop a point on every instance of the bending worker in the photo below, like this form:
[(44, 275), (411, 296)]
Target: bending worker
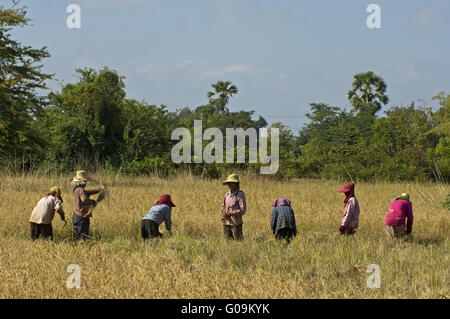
[(399, 211)]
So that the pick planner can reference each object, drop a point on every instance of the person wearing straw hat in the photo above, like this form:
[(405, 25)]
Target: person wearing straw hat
[(350, 220), (42, 215), (233, 207), (81, 216), (399, 218)]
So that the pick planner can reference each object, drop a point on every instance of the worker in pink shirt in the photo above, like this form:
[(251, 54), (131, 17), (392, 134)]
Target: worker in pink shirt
[(234, 206), (399, 219)]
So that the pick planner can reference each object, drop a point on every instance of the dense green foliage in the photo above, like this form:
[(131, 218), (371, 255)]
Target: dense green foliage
[(20, 78), (92, 124)]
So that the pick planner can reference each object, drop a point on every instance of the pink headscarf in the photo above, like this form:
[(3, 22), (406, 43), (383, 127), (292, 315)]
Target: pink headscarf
[(165, 200), (349, 190), (281, 202)]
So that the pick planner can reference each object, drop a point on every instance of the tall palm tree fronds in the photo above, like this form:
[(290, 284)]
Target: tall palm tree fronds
[(223, 90), (368, 92)]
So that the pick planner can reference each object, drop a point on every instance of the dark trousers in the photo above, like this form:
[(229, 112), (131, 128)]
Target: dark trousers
[(80, 227), (285, 233), (37, 229), (347, 231), (149, 229), (233, 232)]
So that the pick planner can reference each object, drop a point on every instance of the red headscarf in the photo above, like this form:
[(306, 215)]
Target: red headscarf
[(349, 189), (165, 200), (281, 202)]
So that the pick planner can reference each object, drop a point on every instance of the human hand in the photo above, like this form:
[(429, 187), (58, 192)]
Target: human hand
[(222, 214)]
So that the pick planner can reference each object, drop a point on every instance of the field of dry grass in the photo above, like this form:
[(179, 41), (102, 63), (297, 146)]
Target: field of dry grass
[(196, 262)]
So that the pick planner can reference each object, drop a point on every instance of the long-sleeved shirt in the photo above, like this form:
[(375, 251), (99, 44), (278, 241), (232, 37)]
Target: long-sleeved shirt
[(282, 217), (82, 200), (399, 211), (45, 210), (351, 214), (234, 206), (160, 213)]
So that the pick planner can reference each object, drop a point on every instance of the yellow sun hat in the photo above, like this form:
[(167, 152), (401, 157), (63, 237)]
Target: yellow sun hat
[(55, 189), (233, 178)]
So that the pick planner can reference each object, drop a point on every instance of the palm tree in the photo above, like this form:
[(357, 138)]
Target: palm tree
[(223, 90), (368, 92)]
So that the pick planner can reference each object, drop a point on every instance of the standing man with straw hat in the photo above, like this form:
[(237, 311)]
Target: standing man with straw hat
[(399, 219), (233, 207), (81, 216), (42, 215)]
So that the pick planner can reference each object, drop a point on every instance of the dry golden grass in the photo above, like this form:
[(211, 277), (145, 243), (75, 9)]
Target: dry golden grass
[(196, 262)]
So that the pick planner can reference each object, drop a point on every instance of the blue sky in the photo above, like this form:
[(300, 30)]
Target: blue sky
[(282, 55)]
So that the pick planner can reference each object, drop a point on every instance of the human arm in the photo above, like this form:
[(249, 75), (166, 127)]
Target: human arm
[(86, 202), (410, 219), (223, 206), (59, 209), (62, 214), (168, 220), (93, 191), (240, 207), (349, 210), (293, 218), (273, 220)]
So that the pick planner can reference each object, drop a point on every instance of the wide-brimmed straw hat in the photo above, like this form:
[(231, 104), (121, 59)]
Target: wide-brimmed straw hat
[(81, 176), (55, 189), (233, 178)]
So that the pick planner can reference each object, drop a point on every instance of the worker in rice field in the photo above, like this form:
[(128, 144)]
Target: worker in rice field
[(399, 219), (350, 220), (233, 207), (156, 215), (43, 213), (83, 203), (283, 220)]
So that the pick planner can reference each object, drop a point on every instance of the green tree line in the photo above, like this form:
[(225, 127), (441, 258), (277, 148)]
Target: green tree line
[(91, 123)]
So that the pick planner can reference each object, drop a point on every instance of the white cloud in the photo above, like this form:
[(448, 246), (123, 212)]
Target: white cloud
[(186, 63), (219, 71), (429, 17), (199, 70), (405, 71), (145, 69)]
